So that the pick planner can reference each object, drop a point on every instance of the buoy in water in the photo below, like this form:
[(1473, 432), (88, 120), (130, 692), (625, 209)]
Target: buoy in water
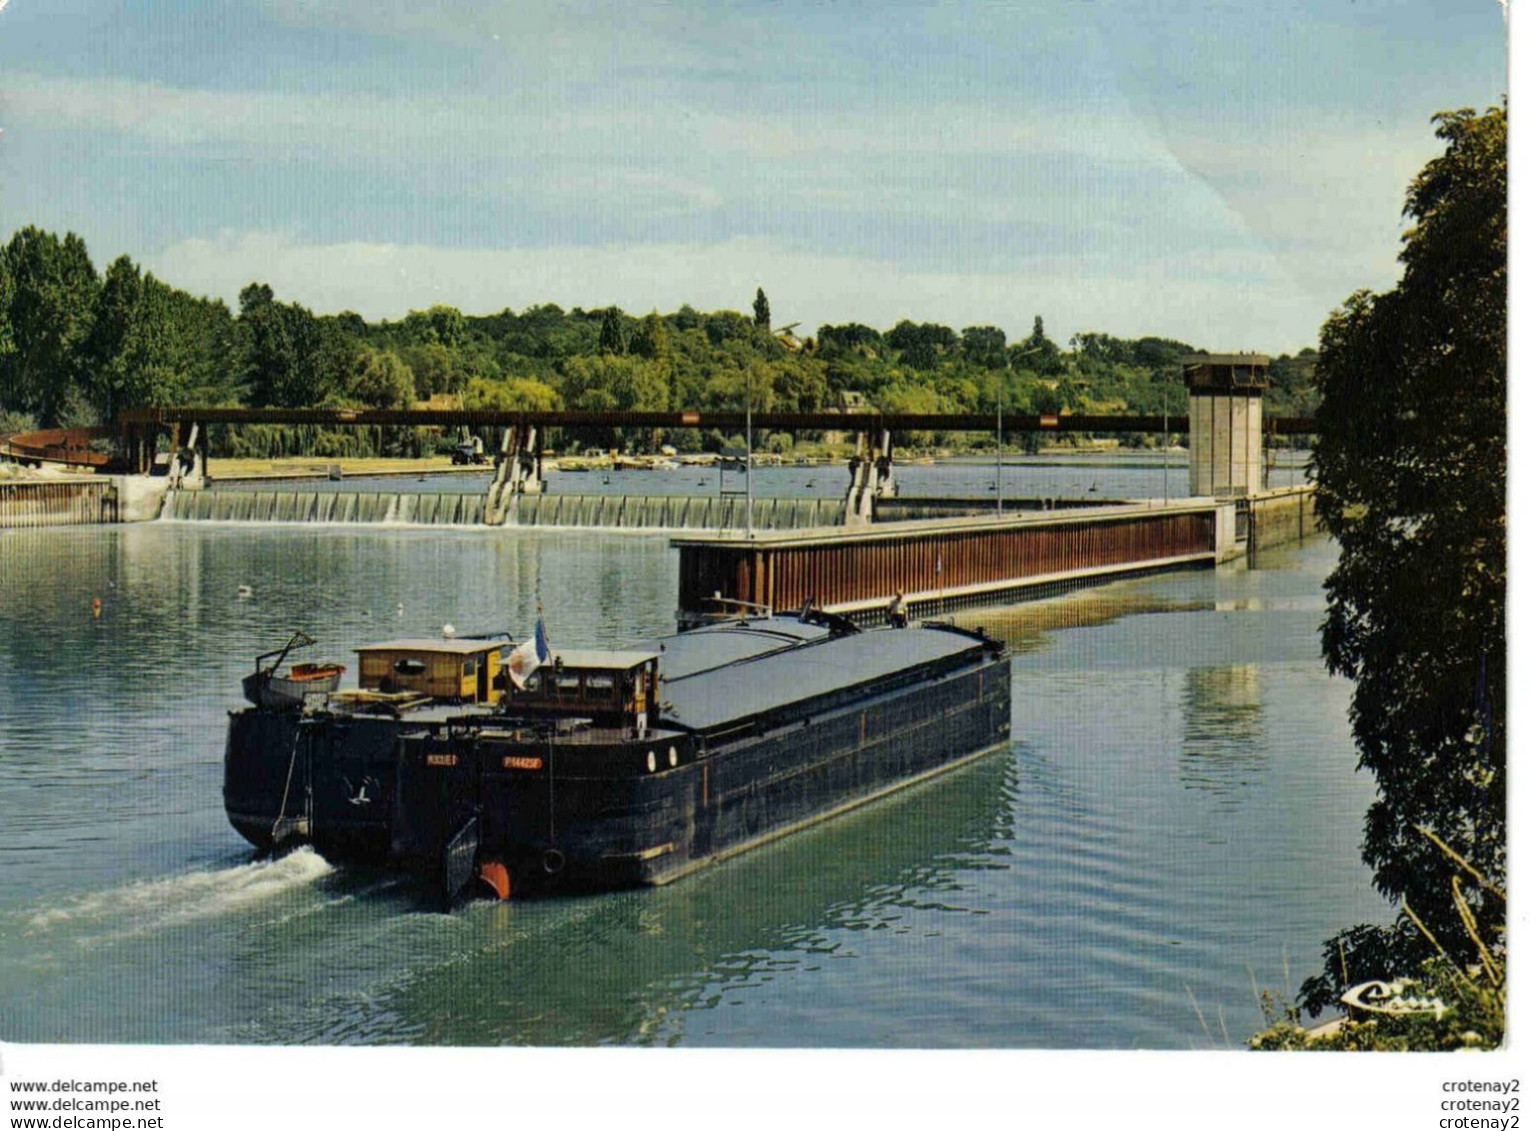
[(246, 591), (95, 606)]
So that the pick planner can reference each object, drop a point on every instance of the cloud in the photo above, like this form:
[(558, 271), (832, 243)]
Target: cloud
[(188, 116), (662, 120), (1225, 302)]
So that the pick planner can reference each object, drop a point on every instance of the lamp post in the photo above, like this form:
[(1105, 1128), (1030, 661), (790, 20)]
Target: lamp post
[(1164, 448), (998, 458), (748, 453)]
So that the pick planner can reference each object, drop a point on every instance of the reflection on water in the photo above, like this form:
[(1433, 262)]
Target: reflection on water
[(648, 967), (1025, 627), (1224, 745)]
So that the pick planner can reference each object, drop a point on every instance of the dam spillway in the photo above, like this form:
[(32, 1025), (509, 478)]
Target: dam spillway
[(343, 507), (609, 512), (673, 512)]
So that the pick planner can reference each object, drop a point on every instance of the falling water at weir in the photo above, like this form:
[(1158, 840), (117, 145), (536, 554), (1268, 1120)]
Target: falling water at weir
[(645, 512)]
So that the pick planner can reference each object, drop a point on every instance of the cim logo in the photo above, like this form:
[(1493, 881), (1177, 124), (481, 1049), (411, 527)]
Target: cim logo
[(1395, 998)]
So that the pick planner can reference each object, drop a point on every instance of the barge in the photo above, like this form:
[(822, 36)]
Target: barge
[(486, 765)]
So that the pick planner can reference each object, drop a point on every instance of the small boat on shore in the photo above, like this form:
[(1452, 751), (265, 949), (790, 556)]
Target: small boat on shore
[(483, 764)]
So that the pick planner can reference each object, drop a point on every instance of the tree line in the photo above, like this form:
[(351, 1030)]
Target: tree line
[(77, 347)]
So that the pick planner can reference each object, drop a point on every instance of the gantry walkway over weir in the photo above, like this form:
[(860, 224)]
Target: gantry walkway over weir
[(519, 470), (932, 565), (734, 420)]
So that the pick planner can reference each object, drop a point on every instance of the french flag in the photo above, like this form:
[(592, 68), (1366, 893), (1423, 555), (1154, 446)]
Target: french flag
[(529, 655)]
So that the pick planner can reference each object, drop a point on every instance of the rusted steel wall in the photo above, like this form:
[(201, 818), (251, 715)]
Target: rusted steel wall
[(33, 503), (846, 570)]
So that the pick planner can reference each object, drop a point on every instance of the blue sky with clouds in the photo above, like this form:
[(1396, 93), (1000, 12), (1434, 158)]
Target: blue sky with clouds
[(1224, 173)]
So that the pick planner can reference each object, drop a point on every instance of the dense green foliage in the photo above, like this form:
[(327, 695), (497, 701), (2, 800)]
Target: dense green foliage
[(1473, 1018), (1410, 468), (77, 348)]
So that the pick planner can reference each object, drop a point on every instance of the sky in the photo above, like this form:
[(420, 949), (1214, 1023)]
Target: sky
[(1223, 173)]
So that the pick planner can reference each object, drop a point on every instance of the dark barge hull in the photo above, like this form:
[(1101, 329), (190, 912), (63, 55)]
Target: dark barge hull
[(603, 809)]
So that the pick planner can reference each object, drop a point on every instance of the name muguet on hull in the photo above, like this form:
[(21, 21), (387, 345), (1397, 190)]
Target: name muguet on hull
[(477, 764)]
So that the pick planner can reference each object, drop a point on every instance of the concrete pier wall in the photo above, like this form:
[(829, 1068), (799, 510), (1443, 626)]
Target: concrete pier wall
[(1282, 515), (80, 500)]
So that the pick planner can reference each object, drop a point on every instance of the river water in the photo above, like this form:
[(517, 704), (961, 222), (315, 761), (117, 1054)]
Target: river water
[(1140, 474), (1174, 824)]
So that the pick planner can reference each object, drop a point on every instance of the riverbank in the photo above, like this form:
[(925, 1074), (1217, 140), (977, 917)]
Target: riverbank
[(225, 470)]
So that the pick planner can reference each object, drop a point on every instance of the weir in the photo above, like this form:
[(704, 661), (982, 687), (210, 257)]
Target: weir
[(345, 507), (672, 512), (632, 512)]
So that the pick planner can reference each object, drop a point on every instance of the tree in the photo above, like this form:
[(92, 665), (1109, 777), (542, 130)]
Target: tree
[(7, 338), (440, 325), (761, 309), (652, 339), (613, 335), (1038, 353), (851, 337), (433, 368), (292, 359), (103, 350), (984, 345), (922, 346), (516, 394), (53, 288), (382, 379), (149, 344), (1410, 468), (800, 385)]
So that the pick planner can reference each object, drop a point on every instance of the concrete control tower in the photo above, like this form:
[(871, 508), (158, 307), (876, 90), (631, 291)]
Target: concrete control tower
[(1226, 422)]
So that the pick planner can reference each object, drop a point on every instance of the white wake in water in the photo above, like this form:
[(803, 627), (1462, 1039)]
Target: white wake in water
[(150, 904)]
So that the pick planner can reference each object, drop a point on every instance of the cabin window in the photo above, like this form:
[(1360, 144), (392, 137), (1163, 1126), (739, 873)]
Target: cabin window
[(568, 683), (409, 667), (600, 685), (469, 667), (534, 682)]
